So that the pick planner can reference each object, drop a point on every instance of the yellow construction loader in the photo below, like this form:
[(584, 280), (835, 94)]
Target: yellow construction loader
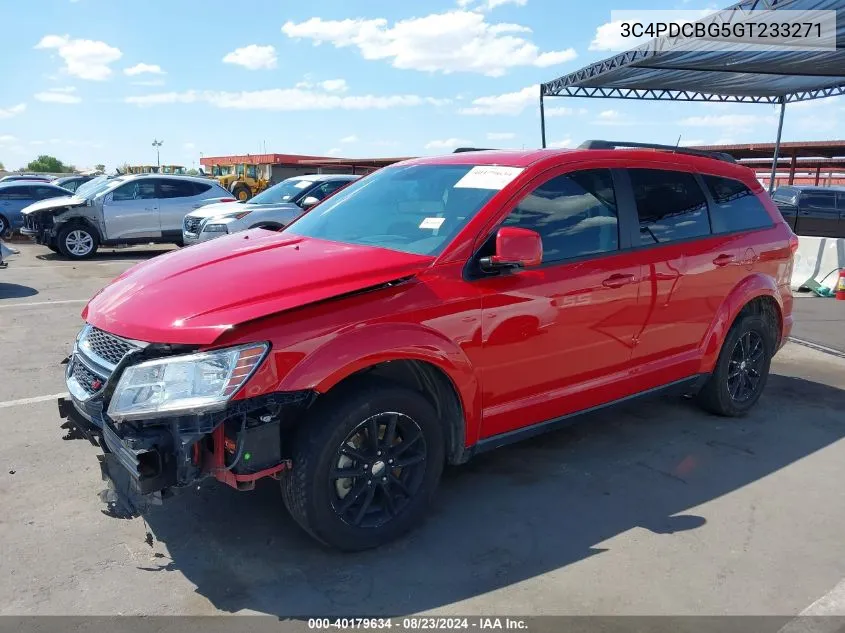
[(244, 180)]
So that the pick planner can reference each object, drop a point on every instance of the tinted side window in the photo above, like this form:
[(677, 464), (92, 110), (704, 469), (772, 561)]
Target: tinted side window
[(840, 202), (137, 190), (575, 214), (176, 189), (200, 187), (736, 207), (16, 193), (42, 193), (326, 189), (820, 200), (670, 205)]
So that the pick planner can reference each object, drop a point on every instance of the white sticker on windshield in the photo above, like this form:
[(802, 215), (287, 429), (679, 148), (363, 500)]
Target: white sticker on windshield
[(302, 184), (432, 223), (488, 177)]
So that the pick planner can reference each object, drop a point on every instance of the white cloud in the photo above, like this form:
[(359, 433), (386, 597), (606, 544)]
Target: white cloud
[(564, 111), (7, 138), (149, 82), (612, 117), (814, 103), (284, 99), (489, 5), (500, 136), (727, 140), (253, 57), (454, 41), (188, 146), (447, 143), (334, 85), (59, 95), (8, 113), (726, 121), (567, 142), (139, 69), (334, 151), (86, 59), (511, 103), (349, 139)]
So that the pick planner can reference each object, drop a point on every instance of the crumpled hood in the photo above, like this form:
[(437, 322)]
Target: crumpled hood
[(222, 208), (54, 203), (195, 294)]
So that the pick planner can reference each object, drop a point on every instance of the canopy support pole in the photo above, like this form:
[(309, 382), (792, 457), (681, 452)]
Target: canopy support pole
[(542, 117), (777, 145)]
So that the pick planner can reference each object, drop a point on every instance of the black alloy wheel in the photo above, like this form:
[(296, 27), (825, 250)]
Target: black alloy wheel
[(745, 368), (379, 468)]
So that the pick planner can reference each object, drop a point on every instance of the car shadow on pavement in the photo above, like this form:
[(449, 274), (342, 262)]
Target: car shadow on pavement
[(506, 516), (105, 255), (16, 291)]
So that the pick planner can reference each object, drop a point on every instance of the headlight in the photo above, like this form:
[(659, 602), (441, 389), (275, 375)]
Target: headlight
[(215, 228), (186, 384), (237, 216)]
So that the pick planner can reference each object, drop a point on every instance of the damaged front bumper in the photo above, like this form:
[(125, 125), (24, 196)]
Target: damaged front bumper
[(143, 461)]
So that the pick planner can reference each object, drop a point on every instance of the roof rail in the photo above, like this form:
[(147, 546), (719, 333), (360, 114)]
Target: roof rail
[(668, 148), (473, 149)]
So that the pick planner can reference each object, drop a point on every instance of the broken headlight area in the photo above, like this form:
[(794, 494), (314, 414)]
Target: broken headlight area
[(145, 461)]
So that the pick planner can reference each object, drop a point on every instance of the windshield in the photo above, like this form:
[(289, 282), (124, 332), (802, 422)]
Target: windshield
[(86, 187), (100, 187), (285, 191), (415, 208), (785, 194)]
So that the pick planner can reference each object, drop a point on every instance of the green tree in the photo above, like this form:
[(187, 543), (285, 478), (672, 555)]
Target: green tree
[(192, 172), (100, 167), (2, 166), (48, 164)]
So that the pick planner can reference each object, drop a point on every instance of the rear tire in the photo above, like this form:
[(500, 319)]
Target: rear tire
[(77, 241), (53, 248), (363, 431), (740, 374)]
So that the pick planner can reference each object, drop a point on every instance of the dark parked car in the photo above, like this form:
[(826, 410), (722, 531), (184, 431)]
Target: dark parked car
[(813, 211), (72, 183)]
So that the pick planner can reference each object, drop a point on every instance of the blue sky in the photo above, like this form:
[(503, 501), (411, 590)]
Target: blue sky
[(94, 81)]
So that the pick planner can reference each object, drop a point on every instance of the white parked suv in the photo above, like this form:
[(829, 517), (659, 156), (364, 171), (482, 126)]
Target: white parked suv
[(272, 209)]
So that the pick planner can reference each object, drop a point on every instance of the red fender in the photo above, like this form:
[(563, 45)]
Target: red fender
[(753, 286)]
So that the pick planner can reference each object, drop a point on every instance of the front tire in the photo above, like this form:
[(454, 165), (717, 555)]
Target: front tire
[(741, 372), (77, 241), (366, 464), (242, 193)]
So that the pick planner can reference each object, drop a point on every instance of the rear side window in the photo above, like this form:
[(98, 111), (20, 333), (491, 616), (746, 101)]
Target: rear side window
[(575, 215), (200, 187), (42, 193), (821, 200), (670, 206), (176, 188), (736, 207), (840, 202)]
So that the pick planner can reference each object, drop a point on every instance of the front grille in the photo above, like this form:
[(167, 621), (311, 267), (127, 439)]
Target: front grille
[(85, 378), (192, 225), (106, 346)]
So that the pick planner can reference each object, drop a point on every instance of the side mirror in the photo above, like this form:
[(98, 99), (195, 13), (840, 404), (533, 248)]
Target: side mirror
[(309, 201), (515, 248), (109, 197)]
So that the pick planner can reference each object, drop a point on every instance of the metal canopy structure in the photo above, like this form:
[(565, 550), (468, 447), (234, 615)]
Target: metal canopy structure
[(659, 70)]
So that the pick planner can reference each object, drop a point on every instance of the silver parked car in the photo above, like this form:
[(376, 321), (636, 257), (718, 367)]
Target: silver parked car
[(272, 209), (133, 209)]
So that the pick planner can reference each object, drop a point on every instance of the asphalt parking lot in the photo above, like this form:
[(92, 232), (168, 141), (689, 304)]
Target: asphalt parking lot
[(653, 508)]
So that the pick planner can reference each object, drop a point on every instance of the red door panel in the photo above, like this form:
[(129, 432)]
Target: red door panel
[(557, 339)]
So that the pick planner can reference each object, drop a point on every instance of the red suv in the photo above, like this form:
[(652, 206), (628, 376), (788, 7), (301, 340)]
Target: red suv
[(438, 308)]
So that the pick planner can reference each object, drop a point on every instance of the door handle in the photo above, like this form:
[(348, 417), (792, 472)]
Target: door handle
[(617, 281), (725, 260)]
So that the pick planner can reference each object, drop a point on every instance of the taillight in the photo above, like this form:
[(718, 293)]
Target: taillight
[(228, 199), (793, 243)]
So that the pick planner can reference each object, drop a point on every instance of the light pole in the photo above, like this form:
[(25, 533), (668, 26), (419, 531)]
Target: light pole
[(157, 144)]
